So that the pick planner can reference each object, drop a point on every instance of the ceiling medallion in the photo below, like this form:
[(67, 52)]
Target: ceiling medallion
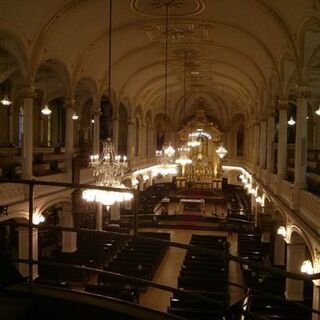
[(178, 8)]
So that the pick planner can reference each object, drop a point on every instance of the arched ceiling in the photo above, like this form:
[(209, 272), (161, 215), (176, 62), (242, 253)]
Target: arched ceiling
[(236, 46)]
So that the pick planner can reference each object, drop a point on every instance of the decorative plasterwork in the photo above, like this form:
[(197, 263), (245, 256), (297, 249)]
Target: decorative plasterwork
[(177, 8)]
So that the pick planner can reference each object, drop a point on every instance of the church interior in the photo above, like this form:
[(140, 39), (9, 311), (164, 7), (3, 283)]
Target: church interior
[(162, 163)]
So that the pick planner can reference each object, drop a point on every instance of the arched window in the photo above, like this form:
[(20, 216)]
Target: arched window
[(240, 137)]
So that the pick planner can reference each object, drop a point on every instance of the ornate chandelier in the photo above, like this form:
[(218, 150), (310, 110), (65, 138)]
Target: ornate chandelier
[(184, 156), (221, 152), (167, 151), (108, 170)]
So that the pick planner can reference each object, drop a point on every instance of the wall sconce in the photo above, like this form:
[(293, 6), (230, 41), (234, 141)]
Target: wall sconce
[(307, 267), (4, 210), (282, 231)]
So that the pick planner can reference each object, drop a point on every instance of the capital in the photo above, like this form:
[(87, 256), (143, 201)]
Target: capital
[(303, 92), (96, 112), (69, 103), (283, 104), (28, 91)]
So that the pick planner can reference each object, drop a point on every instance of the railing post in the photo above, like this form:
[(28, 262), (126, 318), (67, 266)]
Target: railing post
[(30, 227)]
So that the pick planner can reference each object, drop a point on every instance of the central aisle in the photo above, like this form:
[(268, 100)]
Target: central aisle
[(169, 269)]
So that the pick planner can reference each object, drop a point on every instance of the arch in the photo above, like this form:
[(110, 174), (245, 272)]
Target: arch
[(12, 31), (296, 235)]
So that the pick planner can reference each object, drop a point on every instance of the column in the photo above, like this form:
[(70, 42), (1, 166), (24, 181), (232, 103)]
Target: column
[(282, 139), (270, 143), (10, 116), (316, 301), (99, 217), (295, 258), (151, 143), (115, 133), (27, 154), (69, 238), (69, 138), (96, 131), (130, 140), (142, 138), (24, 251), (300, 167), (115, 213), (263, 138), (279, 251), (42, 131), (256, 135)]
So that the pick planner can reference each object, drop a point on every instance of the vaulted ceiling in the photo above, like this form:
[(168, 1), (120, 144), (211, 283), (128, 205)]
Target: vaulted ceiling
[(240, 53)]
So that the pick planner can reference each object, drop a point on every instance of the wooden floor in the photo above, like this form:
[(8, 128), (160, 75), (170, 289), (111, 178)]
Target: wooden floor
[(169, 269)]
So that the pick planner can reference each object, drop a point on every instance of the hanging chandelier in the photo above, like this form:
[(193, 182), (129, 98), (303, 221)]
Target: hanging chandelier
[(46, 110), (108, 170), (5, 101), (291, 122), (75, 116), (167, 153), (221, 152), (184, 156)]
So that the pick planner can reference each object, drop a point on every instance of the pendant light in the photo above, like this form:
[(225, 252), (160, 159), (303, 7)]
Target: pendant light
[(75, 116), (318, 111), (168, 151), (46, 110), (291, 122)]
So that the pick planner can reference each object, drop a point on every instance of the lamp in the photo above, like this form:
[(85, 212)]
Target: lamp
[(75, 116), (221, 152), (46, 110), (282, 231), (318, 111), (291, 122), (109, 168), (5, 100), (167, 150), (37, 218), (307, 267)]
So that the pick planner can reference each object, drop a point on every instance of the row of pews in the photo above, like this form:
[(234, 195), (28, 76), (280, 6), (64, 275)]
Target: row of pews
[(132, 257), (252, 248), (203, 274)]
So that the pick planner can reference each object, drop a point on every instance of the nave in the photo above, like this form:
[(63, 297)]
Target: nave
[(193, 258)]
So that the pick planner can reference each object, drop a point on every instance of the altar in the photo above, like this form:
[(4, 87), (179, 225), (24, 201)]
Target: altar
[(200, 139), (192, 206)]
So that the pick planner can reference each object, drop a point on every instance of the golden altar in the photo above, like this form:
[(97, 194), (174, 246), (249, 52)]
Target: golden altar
[(203, 139)]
